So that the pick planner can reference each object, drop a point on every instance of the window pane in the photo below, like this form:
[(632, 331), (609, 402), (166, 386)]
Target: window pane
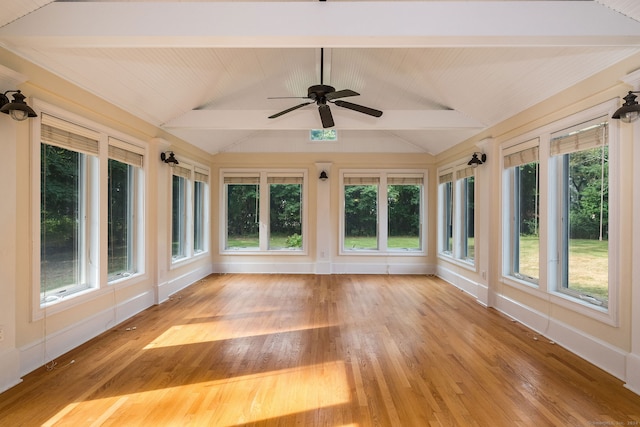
[(285, 216), (61, 222), (243, 216), (198, 216), (446, 190), (525, 234), (179, 218), (404, 217), (586, 203), (468, 237), (121, 220), (361, 217)]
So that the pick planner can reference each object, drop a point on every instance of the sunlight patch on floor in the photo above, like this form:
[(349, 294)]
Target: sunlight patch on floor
[(197, 333), (229, 401)]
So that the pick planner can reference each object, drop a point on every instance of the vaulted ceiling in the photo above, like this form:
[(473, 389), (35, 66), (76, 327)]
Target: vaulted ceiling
[(441, 71)]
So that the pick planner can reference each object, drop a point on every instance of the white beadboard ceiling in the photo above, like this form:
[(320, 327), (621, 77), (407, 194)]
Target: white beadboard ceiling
[(441, 71)]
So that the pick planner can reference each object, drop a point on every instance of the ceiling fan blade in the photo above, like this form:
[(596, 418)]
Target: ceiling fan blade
[(288, 97), (325, 116), (341, 94), (288, 110), (359, 108)]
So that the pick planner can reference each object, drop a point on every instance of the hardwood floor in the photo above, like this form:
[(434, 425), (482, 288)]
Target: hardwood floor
[(347, 350)]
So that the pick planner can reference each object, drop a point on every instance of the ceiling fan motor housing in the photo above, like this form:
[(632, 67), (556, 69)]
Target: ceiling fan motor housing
[(318, 92)]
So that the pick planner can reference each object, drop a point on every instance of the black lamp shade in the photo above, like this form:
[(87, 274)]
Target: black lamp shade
[(475, 161), (18, 109), (630, 110)]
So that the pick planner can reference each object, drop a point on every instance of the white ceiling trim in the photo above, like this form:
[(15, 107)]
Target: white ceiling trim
[(308, 118), (291, 24)]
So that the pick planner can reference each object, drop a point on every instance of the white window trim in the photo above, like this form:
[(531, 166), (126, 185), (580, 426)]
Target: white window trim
[(548, 284), (263, 174), (190, 254), (98, 237), (454, 256), (524, 142), (383, 212)]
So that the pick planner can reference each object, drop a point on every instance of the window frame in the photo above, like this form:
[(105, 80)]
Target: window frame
[(382, 211), (558, 187), (510, 196), (96, 221), (190, 172), (549, 205), (263, 175), (452, 209), (136, 198)]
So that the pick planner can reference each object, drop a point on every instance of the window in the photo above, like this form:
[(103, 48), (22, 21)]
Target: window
[(124, 169), (285, 212), (179, 212), (466, 187), (456, 204), (361, 212), (560, 233), (445, 198), (404, 201), (66, 211), (189, 211), (522, 175), (382, 212), (264, 211), (580, 161), (243, 212), (70, 223), (200, 210)]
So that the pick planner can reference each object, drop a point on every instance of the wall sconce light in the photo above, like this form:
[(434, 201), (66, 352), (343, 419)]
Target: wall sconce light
[(630, 110), (17, 109), (475, 161), (169, 158), (323, 176)]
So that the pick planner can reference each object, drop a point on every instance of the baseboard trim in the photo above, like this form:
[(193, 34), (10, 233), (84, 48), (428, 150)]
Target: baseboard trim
[(10, 372), (56, 344), (604, 355), (175, 285)]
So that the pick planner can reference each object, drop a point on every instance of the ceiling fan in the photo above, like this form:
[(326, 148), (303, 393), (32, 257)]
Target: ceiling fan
[(322, 95)]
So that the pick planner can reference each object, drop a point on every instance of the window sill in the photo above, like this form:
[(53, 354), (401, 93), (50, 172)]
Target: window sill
[(599, 313), (179, 262), (468, 265), (387, 253), (569, 302), (277, 252)]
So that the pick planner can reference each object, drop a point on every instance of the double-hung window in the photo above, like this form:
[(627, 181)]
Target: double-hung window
[(465, 186), (382, 212), (80, 246), (124, 204), (179, 180), (189, 211), (522, 211), (456, 217), (559, 232), (580, 169), (68, 209), (200, 211), (264, 211), (445, 223)]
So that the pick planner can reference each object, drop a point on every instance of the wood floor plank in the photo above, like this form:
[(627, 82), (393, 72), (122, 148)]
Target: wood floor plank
[(344, 350)]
